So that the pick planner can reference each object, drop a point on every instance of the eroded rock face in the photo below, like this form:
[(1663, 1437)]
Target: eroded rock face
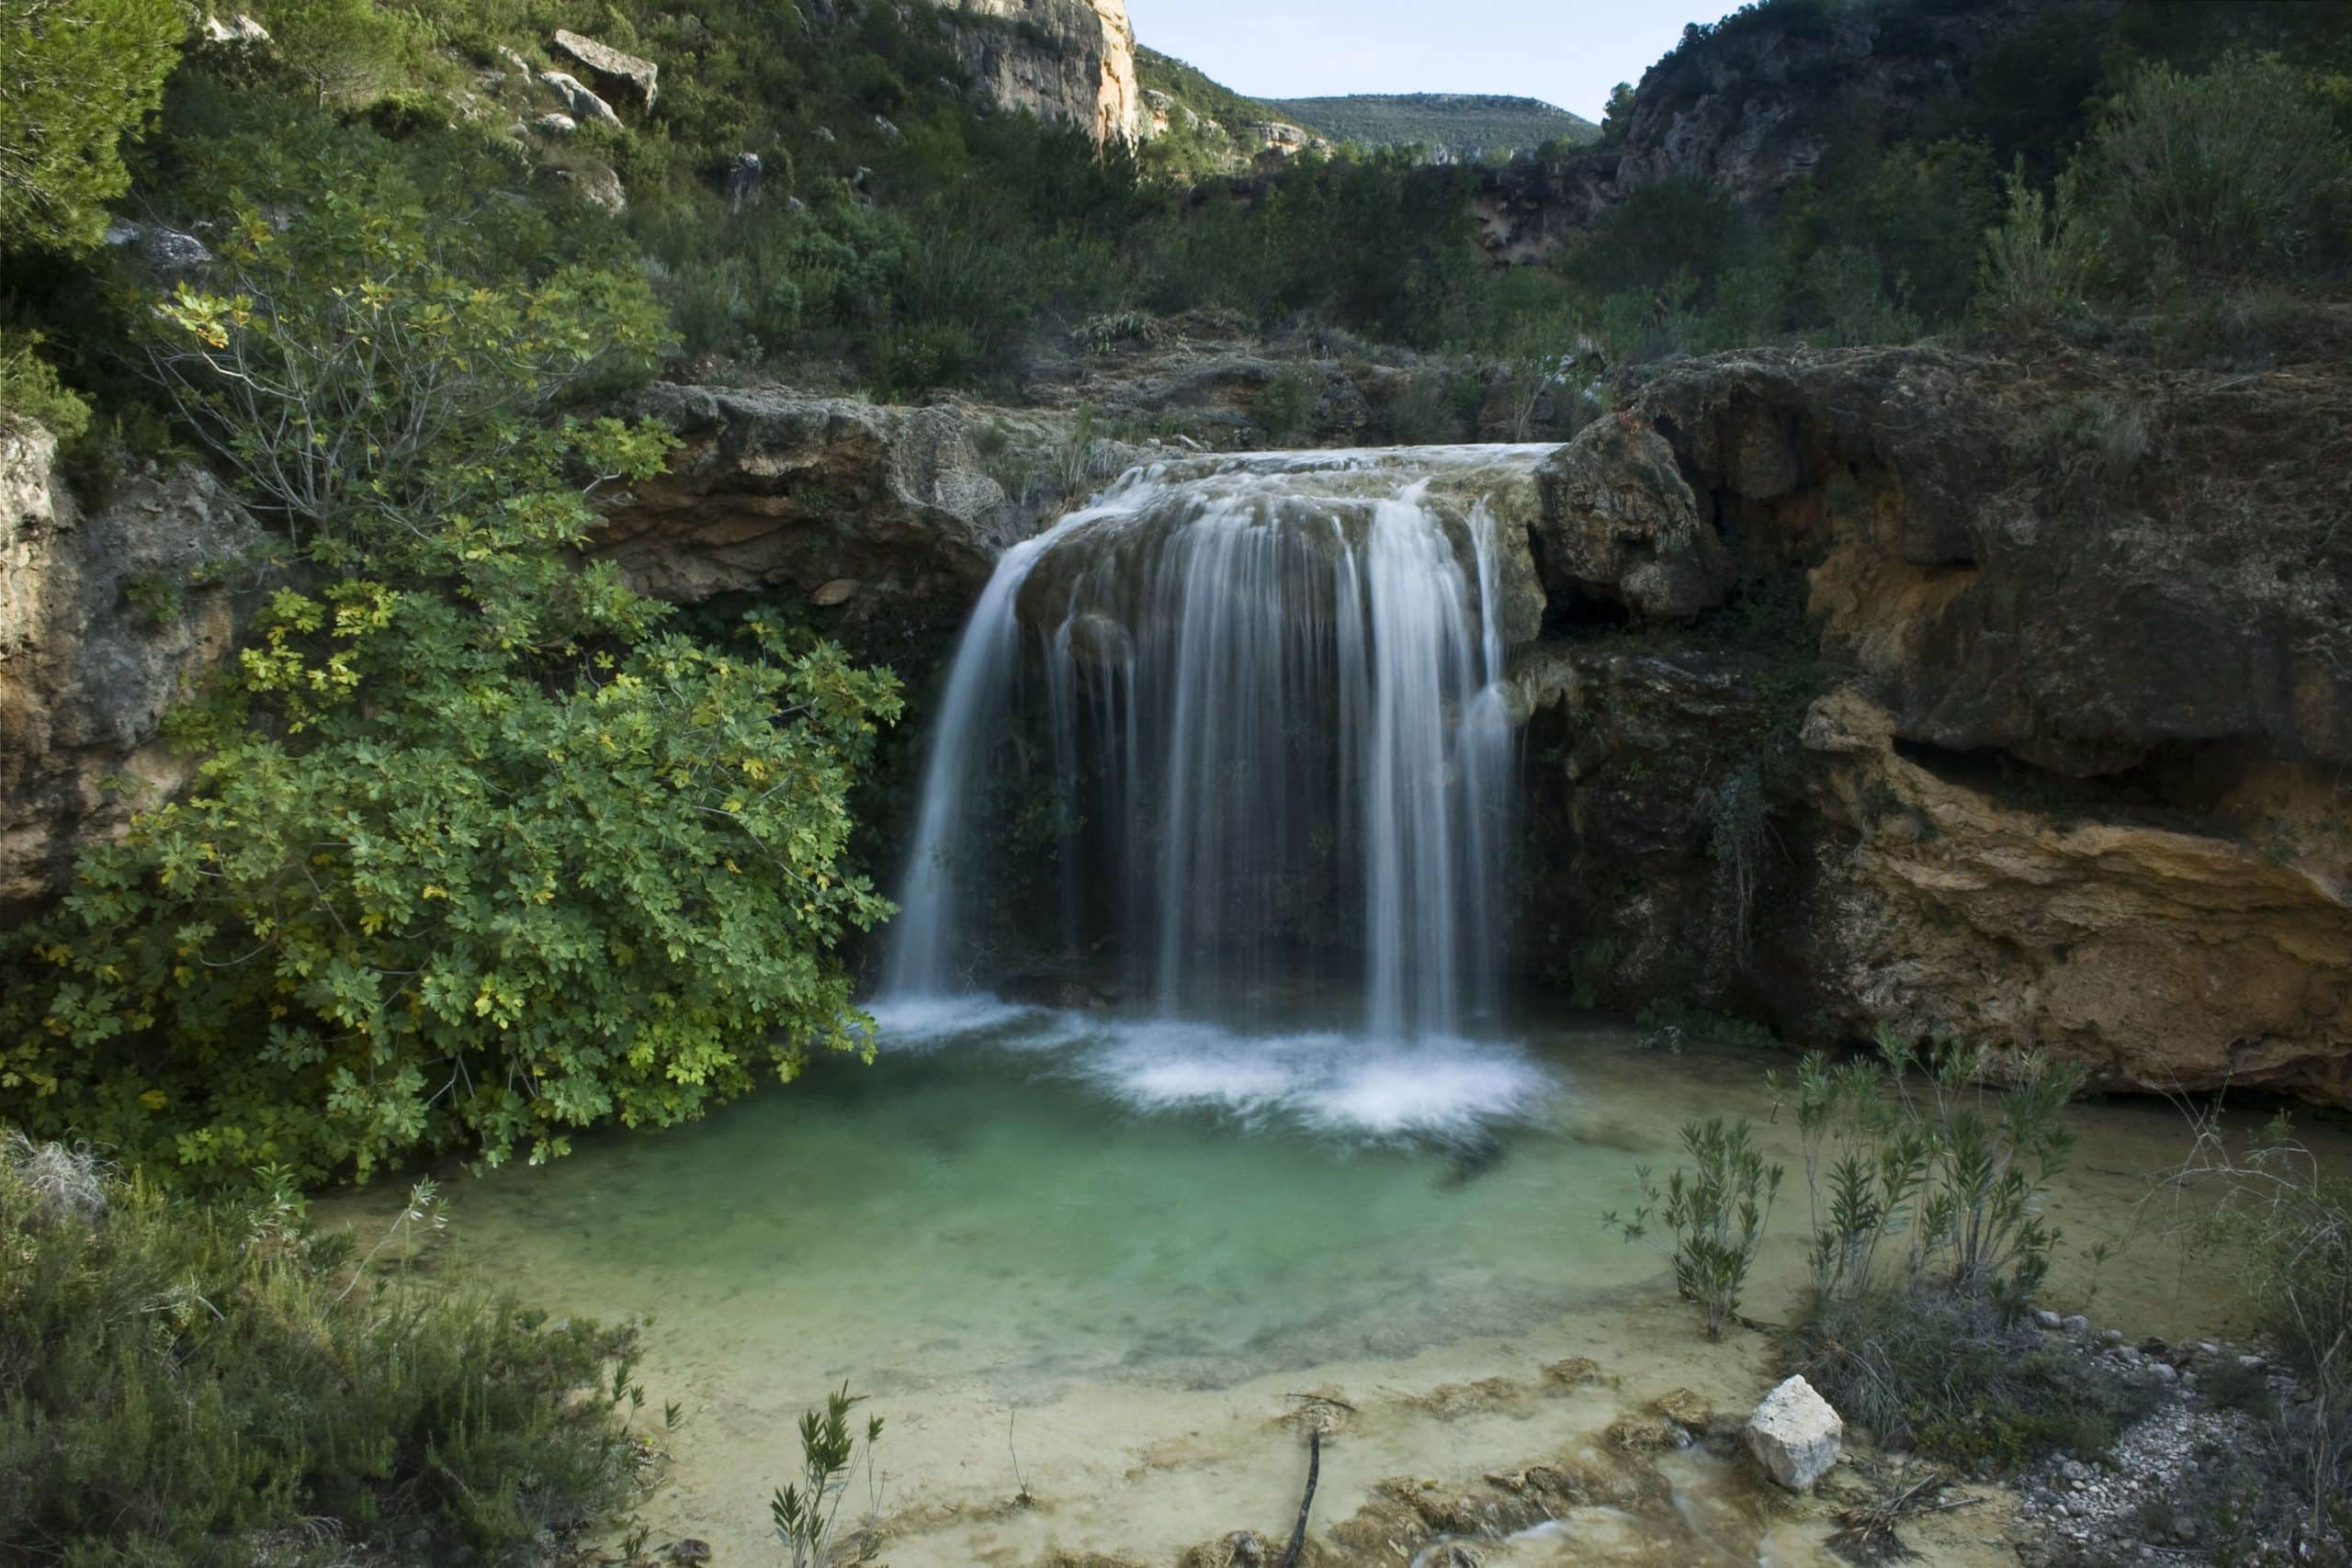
[(2155, 955), (1064, 59), (1620, 522), (107, 617), (889, 520), (2043, 676)]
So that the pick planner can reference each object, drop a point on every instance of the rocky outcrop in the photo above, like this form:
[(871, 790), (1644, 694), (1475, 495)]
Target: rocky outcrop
[(885, 520), (2042, 676), (107, 617), (624, 76), (1064, 59), (1750, 106)]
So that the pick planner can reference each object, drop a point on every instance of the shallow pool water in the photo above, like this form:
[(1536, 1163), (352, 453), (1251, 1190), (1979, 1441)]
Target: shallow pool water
[(1110, 1253)]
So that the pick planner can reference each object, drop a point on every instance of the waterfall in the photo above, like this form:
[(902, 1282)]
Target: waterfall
[(1234, 717)]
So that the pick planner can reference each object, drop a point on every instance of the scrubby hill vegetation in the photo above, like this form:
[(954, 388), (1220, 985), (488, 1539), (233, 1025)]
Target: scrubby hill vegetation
[(1466, 125)]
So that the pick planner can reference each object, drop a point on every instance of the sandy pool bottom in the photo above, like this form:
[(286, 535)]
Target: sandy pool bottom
[(1116, 1265)]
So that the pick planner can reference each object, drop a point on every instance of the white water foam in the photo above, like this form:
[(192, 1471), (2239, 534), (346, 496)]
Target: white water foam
[(1327, 1082)]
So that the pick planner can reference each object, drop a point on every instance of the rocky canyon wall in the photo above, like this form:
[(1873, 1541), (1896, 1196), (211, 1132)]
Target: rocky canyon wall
[(108, 612), (1065, 59), (2005, 701)]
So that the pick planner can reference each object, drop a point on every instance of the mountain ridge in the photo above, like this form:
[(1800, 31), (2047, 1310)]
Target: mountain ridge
[(1462, 124)]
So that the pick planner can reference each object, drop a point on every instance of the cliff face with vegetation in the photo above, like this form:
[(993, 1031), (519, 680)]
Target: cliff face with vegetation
[(1072, 60), (1751, 106)]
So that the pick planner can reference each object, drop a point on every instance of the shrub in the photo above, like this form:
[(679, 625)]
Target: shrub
[(2237, 171), (2286, 1222), (1284, 406), (1714, 1210), (1960, 1379), (206, 1384), (1958, 1171), (2043, 260), (804, 1511), (30, 389)]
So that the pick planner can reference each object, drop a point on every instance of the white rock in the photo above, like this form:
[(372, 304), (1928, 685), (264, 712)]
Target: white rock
[(239, 30), (576, 98), (1795, 1435)]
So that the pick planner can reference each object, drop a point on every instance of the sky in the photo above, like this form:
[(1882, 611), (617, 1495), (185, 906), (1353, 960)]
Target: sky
[(1568, 52)]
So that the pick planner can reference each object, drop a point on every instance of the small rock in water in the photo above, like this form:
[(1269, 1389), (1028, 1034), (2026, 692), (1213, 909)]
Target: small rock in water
[(1795, 1435), (1572, 1371), (690, 1551)]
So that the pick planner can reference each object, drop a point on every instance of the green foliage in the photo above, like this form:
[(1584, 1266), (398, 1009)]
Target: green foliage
[(1925, 1191), (202, 1383), (477, 852), (81, 74), (804, 1511), (1957, 1171), (2043, 260), (1715, 1210), (30, 389), (2239, 171), (1284, 406), (342, 52)]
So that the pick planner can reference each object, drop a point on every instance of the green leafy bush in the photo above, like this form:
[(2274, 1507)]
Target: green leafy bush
[(804, 1512), (208, 1384), (2239, 170), (1925, 1191), (478, 853), (1714, 1209), (30, 389), (1958, 1171)]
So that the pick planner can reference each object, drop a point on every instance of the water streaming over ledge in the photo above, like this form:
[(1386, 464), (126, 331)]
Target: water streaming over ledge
[(1260, 697)]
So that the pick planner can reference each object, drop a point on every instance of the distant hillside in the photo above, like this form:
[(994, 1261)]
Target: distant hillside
[(1196, 125), (1460, 123)]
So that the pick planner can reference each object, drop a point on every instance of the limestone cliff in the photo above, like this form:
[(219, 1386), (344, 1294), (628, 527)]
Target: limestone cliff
[(106, 615), (1065, 59), (2041, 676)]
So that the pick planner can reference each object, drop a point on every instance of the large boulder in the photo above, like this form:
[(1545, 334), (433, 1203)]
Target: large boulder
[(108, 618), (1794, 1436), (1620, 522), (627, 77), (578, 101)]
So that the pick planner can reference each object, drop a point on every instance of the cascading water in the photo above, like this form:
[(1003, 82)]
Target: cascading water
[(1252, 705)]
